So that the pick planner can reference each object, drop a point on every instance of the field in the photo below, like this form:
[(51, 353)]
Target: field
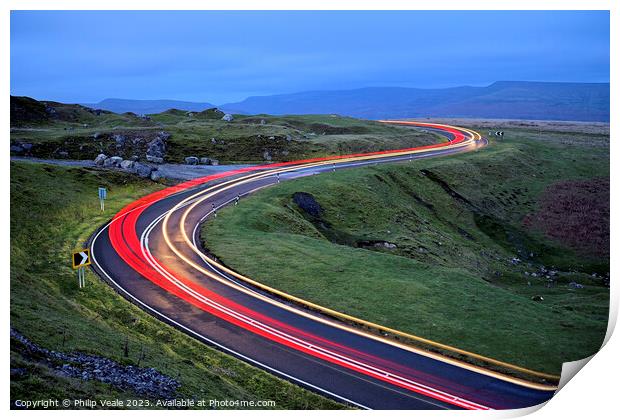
[(75, 132), (469, 250), (53, 211)]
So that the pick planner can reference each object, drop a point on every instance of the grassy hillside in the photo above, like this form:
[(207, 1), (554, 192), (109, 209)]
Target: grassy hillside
[(54, 130), (445, 248), (53, 211)]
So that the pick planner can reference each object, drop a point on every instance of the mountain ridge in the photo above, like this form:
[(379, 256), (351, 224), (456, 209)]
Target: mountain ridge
[(503, 99)]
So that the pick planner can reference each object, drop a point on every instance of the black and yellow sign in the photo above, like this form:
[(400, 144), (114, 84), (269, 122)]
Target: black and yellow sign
[(81, 258)]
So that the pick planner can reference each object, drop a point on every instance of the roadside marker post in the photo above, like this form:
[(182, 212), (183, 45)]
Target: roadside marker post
[(79, 260), (103, 194)]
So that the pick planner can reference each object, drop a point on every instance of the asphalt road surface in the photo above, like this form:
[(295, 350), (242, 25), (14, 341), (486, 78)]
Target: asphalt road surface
[(150, 254)]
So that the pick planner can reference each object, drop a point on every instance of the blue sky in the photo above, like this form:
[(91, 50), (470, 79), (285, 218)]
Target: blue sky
[(221, 57)]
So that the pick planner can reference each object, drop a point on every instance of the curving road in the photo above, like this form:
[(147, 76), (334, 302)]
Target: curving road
[(149, 253)]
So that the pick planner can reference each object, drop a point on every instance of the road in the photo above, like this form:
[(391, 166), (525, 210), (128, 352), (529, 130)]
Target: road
[(150, 254)]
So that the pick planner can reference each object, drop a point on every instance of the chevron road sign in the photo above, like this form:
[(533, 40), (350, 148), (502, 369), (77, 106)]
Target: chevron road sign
[(81, 258)]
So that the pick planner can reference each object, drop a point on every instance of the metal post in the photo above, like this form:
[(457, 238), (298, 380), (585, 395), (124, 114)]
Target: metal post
[(334, 167)]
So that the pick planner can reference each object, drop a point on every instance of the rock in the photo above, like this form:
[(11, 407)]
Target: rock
[(289, 137), (156, 148), (575, 285), (63, 154), (266, 155), (213, 140), (308, 204), (156, 176), (100, 159), (119, 139), (114, 161), (227, 117), (387, 245), (16, 149), (26, 146), (538, 298), (127, 164), (215, 162), (262, 122), (205, 161), (191, 160), (143, 171), (154, 159), (272, 137)]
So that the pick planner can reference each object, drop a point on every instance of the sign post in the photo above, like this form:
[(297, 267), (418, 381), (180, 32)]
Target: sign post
[(103, 194), (79, 260)]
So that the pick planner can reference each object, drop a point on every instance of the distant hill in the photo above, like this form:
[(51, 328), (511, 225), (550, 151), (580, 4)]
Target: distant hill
[(148, 106), (519, 100)]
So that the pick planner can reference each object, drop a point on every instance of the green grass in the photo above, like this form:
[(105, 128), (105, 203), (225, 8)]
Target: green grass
[(53, 211), (243, 140), (450, 278)]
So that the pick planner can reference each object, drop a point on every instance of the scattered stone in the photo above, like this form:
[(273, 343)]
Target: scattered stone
[(114, 161), (213, 140), (515, 261), (227, 117), (262, 122), (575, 285), (127, 164), (156, 176), (143, 171), (156, 148), (63, 154), (267, 155), (289, 137), (191, 160), (538, 298), (100, 159), (208, 161), (144, 381)]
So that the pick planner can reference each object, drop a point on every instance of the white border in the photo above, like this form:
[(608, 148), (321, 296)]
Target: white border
[(591, 395)]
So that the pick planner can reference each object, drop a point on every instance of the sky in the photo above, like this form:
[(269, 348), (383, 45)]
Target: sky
[(219, 57)]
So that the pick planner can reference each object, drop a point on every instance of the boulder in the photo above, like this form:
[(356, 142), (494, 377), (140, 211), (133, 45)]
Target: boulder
[(227, 117), (114, 161), (215, 162), (142, 170), (100, 159), (191, 160), (205, 161), (154, 159), (156, 148), (119, 139), (127, 164), (267, 155), (156, 175), (63, 154), (26, 146), (262, 122)]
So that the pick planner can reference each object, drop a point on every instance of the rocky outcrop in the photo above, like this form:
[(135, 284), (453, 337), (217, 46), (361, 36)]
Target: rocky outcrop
[(142, 380), (228, 117)]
